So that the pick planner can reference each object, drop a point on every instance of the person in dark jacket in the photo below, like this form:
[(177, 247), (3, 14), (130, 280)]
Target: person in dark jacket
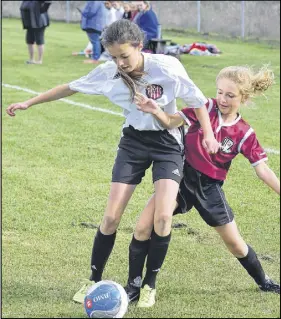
[(35, 19), (147, 21), (127, 11)]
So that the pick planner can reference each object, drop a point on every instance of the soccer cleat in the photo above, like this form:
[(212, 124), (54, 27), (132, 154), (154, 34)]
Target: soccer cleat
[(81, 294), (133, 292), (147, 297), (270, 286)]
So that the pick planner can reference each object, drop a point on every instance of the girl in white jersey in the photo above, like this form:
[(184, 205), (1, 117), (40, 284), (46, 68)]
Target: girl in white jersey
[(144, 142), (204, 174)]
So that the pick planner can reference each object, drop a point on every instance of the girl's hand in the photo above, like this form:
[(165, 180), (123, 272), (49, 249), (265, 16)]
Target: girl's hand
[(145, 104), (16, 106), (211, 145)]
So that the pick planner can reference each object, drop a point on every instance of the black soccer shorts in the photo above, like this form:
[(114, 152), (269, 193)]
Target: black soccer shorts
[(138, 150), (206, 195)]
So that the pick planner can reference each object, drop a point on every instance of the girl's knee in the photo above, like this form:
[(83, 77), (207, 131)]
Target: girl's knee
[(238, 249), (110, 223), (162, 223), (143, 233)]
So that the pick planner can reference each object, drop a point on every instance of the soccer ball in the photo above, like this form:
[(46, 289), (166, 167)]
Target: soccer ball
[(106, 299)]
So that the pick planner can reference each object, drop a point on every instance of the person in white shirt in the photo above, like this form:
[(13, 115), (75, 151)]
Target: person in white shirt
[(144, 140), (119, 10), (110, 16)]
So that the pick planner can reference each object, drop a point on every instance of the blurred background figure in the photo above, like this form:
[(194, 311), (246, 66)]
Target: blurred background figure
[(110, 13), (137, 12), (127, 11), (87, 52), (147, 21), (93, 21), (134, 9), (119, 10), (34, 16)]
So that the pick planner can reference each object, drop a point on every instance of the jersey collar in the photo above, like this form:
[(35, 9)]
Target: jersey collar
[(221, 122)]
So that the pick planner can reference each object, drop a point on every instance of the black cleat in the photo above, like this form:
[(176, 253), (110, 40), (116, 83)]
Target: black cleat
[(132, 291), (270, 286)]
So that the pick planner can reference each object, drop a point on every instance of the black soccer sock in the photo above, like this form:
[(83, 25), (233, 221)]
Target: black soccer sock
[(253, 266), (138, 251), (102, 248), (157, 252)]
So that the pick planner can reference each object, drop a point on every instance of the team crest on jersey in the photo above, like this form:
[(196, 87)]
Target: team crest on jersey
[(226, 145), (154, 91)]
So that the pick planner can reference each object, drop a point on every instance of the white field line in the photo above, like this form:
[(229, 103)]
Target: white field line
[(64, 100), (268, 150)]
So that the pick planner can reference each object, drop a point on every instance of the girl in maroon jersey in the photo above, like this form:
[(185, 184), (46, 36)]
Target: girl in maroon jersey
[(205, 173)]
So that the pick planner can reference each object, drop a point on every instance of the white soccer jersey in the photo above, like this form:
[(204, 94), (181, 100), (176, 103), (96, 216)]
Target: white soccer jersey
[(167, 78)]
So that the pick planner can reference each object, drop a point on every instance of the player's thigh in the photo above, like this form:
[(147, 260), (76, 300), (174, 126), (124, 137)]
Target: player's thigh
[(118, 199), (166, 191)]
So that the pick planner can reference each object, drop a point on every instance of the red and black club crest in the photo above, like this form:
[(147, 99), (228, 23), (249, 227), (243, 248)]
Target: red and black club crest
[(154, 91), (226, 145)]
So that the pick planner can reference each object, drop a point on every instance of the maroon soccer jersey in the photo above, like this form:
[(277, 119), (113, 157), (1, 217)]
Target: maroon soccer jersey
[(236, 137)]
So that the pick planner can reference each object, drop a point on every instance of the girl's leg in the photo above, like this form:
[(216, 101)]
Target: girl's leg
[(145, 222), (119, 197), (39, 34), (95, 39), (31, 52), (232, 239), (139, 246), (138, 250), (166, 191), (29, 38), (40, 53), (243, 252), (96, 52), (104, 240)]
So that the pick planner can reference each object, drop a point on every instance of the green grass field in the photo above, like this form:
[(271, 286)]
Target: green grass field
[(57, 162)]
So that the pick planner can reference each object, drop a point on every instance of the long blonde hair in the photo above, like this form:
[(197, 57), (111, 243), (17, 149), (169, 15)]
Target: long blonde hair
[(249, 82)]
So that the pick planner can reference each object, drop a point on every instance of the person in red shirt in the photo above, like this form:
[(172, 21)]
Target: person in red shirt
[(204, 175)]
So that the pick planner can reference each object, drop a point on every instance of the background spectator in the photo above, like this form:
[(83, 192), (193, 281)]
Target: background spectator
[(110, 15), (35, 19), (147, 21), (93, 22), (134, 9), (127, 11), (119, 10)]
